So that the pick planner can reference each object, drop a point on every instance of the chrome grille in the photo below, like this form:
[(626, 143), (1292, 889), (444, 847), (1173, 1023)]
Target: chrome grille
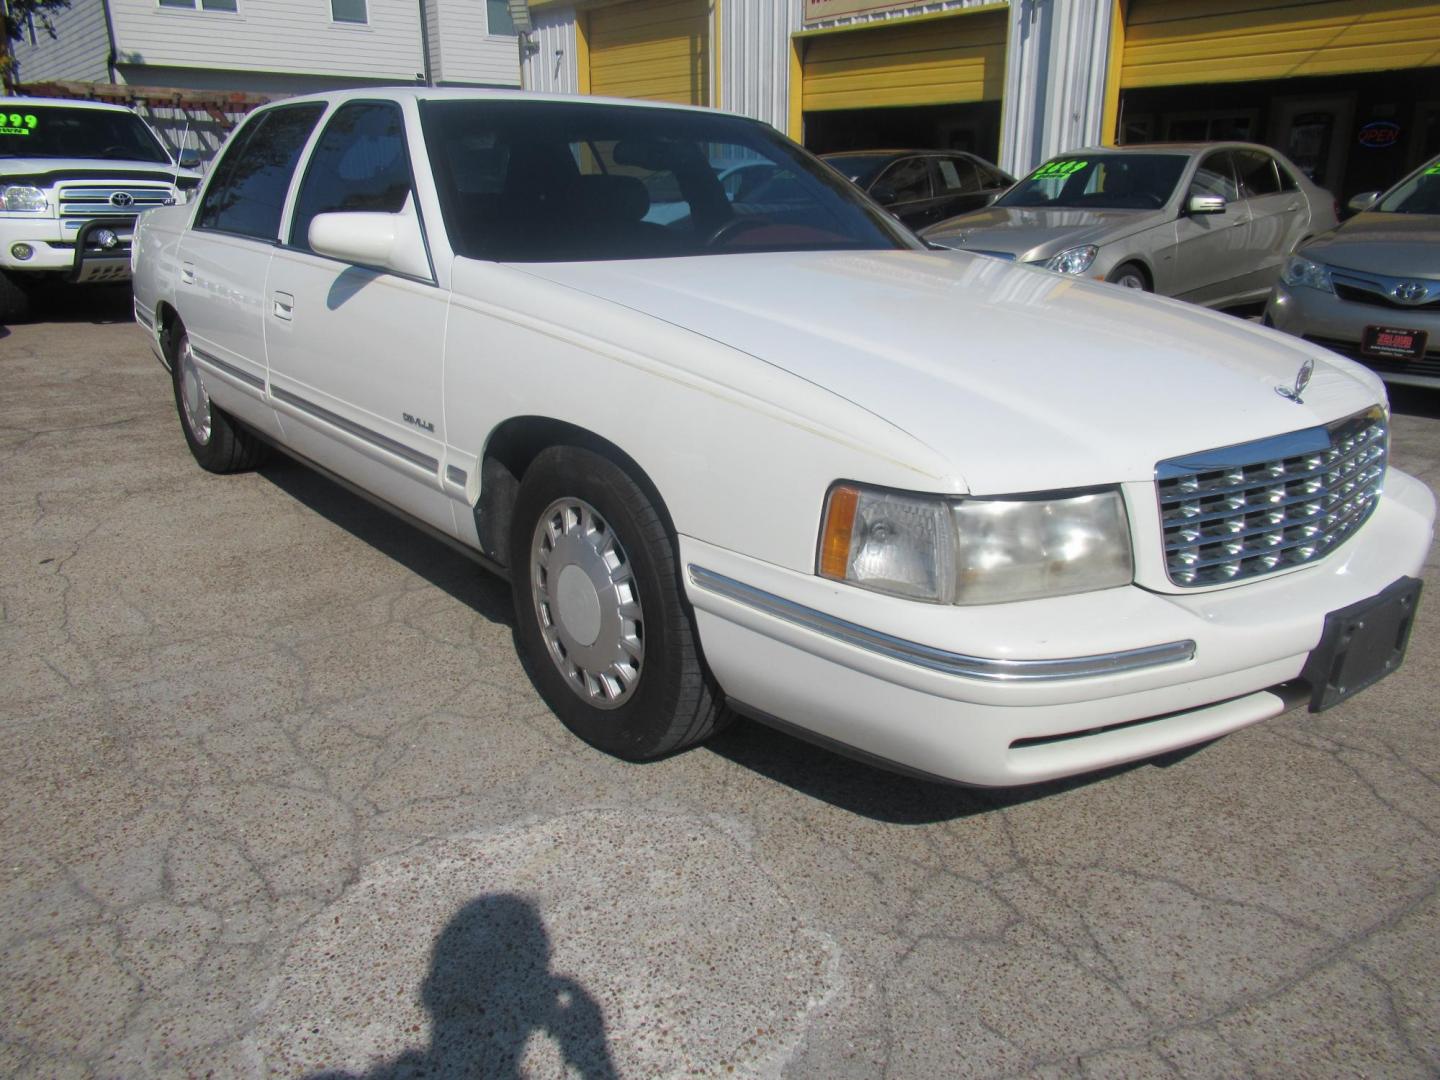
[(1241, 511), (94, 200)]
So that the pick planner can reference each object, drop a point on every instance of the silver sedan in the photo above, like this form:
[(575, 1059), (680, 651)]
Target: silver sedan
[(1211, 223), (1371, 288)]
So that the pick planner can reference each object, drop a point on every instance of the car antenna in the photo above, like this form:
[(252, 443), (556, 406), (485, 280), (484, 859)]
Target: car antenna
[(179, 150)]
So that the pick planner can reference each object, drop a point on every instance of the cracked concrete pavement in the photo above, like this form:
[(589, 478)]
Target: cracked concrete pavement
[(279, 801)]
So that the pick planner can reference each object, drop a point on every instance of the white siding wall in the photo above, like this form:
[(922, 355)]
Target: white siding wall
[(432, 26), (468, 52), (79, 51), (273, 35), (1055, 69), (755, 59), (551, 69)]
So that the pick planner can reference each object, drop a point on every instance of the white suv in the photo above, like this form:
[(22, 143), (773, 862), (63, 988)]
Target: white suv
[(74, 175)]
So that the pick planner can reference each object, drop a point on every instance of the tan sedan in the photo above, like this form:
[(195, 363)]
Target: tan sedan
[(1211, 223)]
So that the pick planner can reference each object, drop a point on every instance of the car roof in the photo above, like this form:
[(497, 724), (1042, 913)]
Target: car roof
[(72, 103), (895, 153), (1171, 148), (444, 93)]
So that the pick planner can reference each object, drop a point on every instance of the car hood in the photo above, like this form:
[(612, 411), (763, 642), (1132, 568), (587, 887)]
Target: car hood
[(1031, 233), (60, 166), (1397, 245), (1023, 380)]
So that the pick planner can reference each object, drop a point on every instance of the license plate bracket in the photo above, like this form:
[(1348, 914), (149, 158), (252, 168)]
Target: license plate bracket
[(1361, 644), (1393, 342)]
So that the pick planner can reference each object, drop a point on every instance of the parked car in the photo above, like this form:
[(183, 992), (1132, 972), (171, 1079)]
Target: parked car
[(1371, 288), (73, 177), (922, 187), (972, 520), (1206, 222)]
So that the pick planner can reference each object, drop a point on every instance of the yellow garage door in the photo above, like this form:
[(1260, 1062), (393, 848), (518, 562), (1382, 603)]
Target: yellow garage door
[(928, 62), (1173, 42), (651, 50)]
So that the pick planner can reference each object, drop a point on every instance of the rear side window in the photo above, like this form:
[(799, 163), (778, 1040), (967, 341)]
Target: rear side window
[(247, 195), (955, 175), (359, 163), (1257, 173), (1216, 176)]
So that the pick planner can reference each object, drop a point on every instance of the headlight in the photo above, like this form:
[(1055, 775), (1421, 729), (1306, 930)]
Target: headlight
[(1074, 261), (975, 551), (1301, 271), (21, 198)]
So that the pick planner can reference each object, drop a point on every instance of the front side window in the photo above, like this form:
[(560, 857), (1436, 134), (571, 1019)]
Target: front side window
[(554, 182), (359, 164), (59, 131), (246, 195), (1418, 194), (1100, 181), (349, 11), (905, 181), (1216, 176)]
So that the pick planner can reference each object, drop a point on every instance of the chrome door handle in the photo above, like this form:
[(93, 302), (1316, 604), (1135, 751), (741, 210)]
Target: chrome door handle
[(187, 273), (284, 306)]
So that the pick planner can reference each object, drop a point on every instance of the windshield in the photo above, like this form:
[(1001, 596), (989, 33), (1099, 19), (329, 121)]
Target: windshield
[(860, 168), (1418, 195), (556, 182), (1100, 182), (51, 131)]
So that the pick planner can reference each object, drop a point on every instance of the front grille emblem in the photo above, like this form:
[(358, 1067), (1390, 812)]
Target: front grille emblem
[(122, 198), (1410, 292), (1302, 380)]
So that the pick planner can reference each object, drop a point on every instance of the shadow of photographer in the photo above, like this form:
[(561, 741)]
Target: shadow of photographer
[(489, 989)]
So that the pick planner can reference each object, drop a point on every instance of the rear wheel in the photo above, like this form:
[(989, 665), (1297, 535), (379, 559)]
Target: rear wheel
[(1130, 276), (604, 629), (218, 443)]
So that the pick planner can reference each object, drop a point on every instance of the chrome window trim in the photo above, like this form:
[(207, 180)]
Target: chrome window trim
[(932, 659), (374, 438), (228, 368)]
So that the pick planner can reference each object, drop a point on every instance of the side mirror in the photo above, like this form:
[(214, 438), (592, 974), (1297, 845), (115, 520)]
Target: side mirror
[(1205, 204), (1364, 201), (383, 241), (883, 195), (188, 159)]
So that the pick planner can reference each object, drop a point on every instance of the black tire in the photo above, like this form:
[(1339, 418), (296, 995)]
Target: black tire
[(1129, 272), (672, 702), (226, 447), (14, 300)]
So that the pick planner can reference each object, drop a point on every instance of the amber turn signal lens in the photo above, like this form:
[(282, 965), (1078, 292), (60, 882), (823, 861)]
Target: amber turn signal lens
[(835, 535)]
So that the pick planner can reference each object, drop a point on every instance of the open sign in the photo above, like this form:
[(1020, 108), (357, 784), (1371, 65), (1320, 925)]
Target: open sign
[(1379, 134)]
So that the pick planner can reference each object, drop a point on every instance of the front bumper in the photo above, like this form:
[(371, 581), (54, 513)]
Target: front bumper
[(55, 243), (1031, 725), (1337, 324)]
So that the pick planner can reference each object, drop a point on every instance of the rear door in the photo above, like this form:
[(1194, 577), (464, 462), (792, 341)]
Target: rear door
[(908, 181), (959, 187), (225, 256), (1211, 250), (1278, 216)]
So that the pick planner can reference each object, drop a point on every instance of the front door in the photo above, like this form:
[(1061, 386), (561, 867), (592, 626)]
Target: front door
[(1210, 249), (355, 352)]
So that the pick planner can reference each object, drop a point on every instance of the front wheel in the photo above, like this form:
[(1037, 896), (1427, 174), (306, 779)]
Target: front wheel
[(602, 622), (1130, 276)]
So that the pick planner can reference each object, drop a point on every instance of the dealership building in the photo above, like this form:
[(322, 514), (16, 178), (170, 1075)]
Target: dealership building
[(1349, 89)]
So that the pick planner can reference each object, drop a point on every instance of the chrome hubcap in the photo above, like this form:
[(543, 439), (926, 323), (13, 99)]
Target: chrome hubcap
[(194, 401), (587, 603), (1132, 281)]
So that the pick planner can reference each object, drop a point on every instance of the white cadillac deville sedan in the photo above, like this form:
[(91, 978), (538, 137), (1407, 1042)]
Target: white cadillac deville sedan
[(970, 520)]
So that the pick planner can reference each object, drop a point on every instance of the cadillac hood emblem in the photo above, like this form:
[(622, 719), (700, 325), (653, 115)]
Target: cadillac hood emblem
[(1302, 380)]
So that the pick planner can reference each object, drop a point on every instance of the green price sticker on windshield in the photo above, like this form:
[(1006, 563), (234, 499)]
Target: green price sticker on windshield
[(1058, 170), (1434, 170), (18, 123)]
